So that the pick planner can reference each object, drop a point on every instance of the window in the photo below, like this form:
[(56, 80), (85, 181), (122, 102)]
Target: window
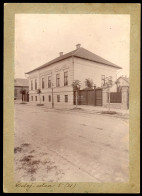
[(103, 80), (66, 98), (66, 78), (49, 81), (42, 98), (35, 98), (31, 98), (35, 84), (57, 80), (42, 82), (31, 85), (49, 98), (58, 98)]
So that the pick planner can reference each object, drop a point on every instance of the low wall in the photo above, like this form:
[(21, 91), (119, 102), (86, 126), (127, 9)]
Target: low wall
[(124, 102)]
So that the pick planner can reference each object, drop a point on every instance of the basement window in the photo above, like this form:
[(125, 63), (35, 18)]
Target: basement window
[(66, 98), (49, 98), (58, 98)]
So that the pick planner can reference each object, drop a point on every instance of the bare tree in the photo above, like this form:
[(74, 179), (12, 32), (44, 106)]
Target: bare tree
[(76, 86), (89, 83)]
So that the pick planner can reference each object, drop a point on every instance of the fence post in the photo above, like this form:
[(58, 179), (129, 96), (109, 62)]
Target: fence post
[(124, 97), (94, 95), (104, 97)]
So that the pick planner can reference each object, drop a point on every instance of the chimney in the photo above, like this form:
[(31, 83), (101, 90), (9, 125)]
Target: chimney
[(78, 46), (60, 53)]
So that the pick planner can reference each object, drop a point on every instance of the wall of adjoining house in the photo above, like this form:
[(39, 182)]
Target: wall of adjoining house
[(17, 91), (84, 69)]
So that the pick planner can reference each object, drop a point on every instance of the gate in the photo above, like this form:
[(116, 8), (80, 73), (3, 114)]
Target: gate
[(89, 97), (98, 97)]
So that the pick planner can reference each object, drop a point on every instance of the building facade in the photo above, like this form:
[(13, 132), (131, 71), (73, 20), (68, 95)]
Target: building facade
[(55, 78)]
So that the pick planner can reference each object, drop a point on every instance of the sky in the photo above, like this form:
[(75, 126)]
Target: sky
[(40, 37)]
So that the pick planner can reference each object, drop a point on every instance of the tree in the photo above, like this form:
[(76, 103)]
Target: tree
[(89, 83), (23, 92), (76, 86), (39, 92)]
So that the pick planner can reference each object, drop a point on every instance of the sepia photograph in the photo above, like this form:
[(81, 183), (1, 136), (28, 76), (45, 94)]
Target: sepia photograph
[(71, 97)]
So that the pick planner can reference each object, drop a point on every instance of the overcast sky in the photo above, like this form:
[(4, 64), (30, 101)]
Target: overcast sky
[(40, 37)]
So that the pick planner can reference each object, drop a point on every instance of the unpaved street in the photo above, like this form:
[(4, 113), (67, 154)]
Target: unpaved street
[(68, 146)]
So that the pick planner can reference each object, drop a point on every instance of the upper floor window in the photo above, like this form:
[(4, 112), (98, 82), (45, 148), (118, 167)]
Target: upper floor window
[(49, 81), (35, 98), (42, 98), (31, 85), (42, 82), (103, 80), (31, 98), (66, 78), (35, 84), (57, 80)]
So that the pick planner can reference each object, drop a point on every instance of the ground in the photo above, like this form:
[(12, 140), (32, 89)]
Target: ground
[(70, 146)]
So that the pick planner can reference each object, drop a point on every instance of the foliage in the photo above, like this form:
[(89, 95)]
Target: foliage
[(89, 83), (76, 85)]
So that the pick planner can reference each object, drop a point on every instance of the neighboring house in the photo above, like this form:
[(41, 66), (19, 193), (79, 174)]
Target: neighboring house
[(19, 85), (59, 73), (122, 81)]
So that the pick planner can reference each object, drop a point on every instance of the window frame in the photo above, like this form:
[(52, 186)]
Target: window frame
[(57, 80), (103, 80), (35, 84), (66, 78), (58, 98), (49, 98), (42, 83), (31, 84), (49, 86), (66, 99)]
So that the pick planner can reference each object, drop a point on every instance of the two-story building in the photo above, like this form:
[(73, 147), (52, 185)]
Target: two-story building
[(55, 78)]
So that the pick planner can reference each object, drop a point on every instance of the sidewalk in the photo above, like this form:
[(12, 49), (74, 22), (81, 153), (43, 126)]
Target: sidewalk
[(87, 108)]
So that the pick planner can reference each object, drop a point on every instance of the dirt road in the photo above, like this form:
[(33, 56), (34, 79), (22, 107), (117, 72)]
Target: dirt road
[(68, 146)]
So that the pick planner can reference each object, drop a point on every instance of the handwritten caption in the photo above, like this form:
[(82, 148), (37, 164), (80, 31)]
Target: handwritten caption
[(28, 186)]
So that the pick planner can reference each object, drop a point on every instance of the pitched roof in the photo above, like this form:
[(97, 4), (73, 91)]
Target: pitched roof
[(21, 82), (124, 78), (80, 53)]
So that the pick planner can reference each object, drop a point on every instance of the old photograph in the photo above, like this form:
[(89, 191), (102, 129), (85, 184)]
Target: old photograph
[(71, 97)]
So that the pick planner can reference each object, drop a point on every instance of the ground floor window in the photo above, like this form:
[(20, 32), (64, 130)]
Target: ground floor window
[(58, 98), (66, 98), (31, 98), (42, 98), (35, 98), (49, 98)]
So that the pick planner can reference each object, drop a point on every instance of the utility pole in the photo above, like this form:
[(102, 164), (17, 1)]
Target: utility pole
[(52, 97)]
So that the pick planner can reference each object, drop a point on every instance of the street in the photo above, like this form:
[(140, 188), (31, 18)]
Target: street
[(67, 146)]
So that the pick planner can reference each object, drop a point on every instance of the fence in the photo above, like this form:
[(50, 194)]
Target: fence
[(115, 97)]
